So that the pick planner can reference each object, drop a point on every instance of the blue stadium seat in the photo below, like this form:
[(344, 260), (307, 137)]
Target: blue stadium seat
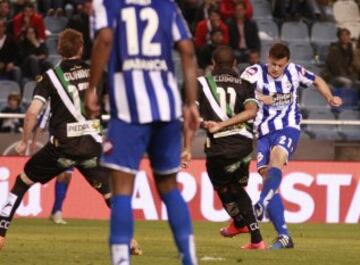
[(350, 132), (51, 43), (323, 32), (265, 47), (268, 30), (301, 52), (323, 132), (311, 99), (55, 24), (294, 32), (28, 91), (262, 9)]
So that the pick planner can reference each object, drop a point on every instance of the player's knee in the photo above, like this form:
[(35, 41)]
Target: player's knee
[(278, 157)]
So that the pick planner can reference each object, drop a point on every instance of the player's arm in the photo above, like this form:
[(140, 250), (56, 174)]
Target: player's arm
[(30, 121), (249, 113), (99, 58), (325, 91)]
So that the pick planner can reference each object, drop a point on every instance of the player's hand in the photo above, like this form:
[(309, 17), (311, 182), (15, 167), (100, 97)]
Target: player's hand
[(212, 126), (21, 148), (191, 117), (92, 106), (335, 102), (185, 158)]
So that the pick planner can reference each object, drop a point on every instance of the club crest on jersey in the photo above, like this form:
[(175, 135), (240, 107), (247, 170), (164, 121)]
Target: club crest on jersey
[(107, 147), (260, 156)]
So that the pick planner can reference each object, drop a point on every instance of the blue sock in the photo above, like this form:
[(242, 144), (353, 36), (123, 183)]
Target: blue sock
[(276, 211), (271, 185), (60, 194), (121, 224), (180, 223)]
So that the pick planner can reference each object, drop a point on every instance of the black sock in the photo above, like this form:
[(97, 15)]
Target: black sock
[(14, 198), (245, 205), (230, 205)]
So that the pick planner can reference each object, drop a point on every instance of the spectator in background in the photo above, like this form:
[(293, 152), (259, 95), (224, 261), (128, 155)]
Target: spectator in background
[(189, 9), (33, 54), (243, 32), (205, 52), (227, 8), (80, 22), (356, 61), (46, 5), (13, 106), (202, 11), (5, 13), (339, 62), (29, 18), (253, 58), (8, 51), (204, 27)]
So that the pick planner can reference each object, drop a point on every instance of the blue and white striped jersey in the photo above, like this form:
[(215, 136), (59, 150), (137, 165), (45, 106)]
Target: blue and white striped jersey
[(284, 112), (142, 83)]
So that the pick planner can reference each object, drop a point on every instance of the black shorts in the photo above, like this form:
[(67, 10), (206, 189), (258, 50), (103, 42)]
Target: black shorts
[(224, 171), (47, 163)]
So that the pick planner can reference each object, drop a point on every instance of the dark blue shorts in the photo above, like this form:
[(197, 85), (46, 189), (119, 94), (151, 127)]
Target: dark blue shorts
[(286, 138), (127, 143)]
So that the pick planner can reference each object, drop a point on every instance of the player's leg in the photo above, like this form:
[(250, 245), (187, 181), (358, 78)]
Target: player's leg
[(122, 154), (61, 187), (164, 152), (40, 168)]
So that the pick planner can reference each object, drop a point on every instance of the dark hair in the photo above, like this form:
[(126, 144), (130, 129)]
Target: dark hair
[(70, 43), (279, 51), (213, 10), (14, 96), (28, 5), (216, 30), (224, 56), (340, 31)]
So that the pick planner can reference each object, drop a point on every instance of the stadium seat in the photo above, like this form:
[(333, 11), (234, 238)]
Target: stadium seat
[(265, 47), (294, 32), (268, 30), (350, 132), (7, 87), (350, 97), (262, 9), (323, 32), (54, 59), (51, 43), (345, 11), (311, 99), (301, 52), (323, 132), (322, 51), (28, 92), (55, 24)]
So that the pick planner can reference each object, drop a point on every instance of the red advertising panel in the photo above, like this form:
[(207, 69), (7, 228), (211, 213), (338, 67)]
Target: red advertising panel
[(326, 192)]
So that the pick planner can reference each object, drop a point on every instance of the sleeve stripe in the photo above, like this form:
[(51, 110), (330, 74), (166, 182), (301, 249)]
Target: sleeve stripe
[(251, 100), (40, 98), (100, 15)]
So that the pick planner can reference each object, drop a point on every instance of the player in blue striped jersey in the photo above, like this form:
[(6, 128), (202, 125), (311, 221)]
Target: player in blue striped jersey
[(138, 36), (278, 127)]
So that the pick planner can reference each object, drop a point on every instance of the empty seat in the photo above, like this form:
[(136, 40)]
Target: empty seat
[(320, 131), (350, 97), (322, 51), (301, 53), (345, 11), (55, 24), (28, 92), (268, 30), (262, 9), (265, 47), (51, 43), (323, 32), (311, 99), (294, 32), (350, 132)]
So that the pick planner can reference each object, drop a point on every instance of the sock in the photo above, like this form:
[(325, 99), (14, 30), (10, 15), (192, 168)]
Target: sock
[(276, 211), (60, 194), (228, 200), (245, 205), (121, 229), (180, 223), (12, 203), (271, 185)]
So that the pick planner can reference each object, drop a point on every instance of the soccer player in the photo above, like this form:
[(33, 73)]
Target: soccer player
[(145, 109), (278, 127), (65, 87), (228, 107), (62, 180)]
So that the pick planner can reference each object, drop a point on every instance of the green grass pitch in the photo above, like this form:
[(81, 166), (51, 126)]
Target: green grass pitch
[(39, 242)]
